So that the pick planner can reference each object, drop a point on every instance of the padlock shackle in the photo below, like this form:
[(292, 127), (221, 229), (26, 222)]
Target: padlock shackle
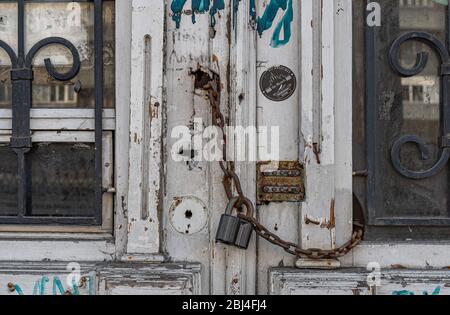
[(232, 204), (248, 205)]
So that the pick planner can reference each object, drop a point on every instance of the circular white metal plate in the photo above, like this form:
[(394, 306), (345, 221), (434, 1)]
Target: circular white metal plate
[(188, 215)]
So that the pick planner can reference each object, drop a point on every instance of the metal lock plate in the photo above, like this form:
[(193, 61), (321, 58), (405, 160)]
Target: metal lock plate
[(281, 182)]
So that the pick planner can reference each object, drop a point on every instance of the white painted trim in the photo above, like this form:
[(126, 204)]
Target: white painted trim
[(61, 119), (75, 250), (424, 255), (80, 113), (327, 157), (146, 122), (354, 282), (122, 134), (343, 110), (57, 136), (151, 279), (241, 266)]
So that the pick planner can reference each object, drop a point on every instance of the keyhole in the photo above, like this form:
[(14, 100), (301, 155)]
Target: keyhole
[(188, 214)]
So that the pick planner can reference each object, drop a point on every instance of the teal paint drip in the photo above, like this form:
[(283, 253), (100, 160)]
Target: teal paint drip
[(218, 5), (266, 21), (252, 12), (197, 7), (177, 8)]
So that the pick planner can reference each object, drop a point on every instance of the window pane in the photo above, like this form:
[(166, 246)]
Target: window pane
[(402, 106), (8, 30), (8, 181), (413, 113), (72, 21), (62, 179)]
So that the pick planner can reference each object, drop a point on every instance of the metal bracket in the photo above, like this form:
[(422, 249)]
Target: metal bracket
[(280, 182)]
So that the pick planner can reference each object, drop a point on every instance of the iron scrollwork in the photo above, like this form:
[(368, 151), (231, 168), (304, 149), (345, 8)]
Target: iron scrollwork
[(22, 76), (420, 65)]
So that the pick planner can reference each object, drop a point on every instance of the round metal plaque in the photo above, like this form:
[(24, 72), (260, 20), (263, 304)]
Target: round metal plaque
[(278, 83)]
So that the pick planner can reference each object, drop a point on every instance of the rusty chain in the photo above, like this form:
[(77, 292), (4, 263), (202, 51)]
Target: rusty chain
[(212, 85)]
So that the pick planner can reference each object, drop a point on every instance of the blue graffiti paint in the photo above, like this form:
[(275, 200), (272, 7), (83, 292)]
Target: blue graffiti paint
[(436, 292), (57, 286), (266, 21), (18, 289), (39, 286), (197, 7), (177, 8), (218, 5), (282, 32), (252, 12)]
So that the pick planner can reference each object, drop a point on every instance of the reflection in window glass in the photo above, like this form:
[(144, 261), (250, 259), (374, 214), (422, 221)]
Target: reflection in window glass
[(70, 20), (8, 29)]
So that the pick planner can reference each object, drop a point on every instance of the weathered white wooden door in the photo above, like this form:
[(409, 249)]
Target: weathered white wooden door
[(243, 41), (227, 42), (230, 42)]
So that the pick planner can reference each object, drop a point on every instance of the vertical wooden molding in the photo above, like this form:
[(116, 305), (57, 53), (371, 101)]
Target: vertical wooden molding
[(343, 25), (241, 265), (121, 147), (145, 156), (328, 162)]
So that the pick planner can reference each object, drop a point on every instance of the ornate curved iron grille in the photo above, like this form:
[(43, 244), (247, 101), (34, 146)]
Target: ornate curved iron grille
[(22, 76), (421, 63), (407, 130)]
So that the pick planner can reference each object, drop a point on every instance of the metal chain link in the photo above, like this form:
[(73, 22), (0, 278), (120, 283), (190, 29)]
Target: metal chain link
[(213, 87)]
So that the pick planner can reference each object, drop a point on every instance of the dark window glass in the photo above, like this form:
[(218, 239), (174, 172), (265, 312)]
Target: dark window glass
[(62, 179), (8, 181)]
